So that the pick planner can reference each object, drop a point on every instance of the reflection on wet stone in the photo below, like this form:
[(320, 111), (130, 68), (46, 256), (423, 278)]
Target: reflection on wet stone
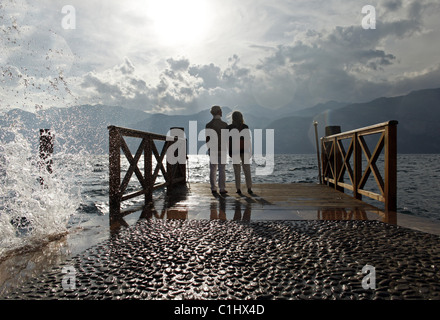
[(175, 259)]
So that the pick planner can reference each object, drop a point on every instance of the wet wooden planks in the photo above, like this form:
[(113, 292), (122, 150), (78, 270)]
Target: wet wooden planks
[(299, 201), (270, 202)]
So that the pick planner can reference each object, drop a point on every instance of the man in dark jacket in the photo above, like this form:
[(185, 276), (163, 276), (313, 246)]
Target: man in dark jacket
[(217, 154)]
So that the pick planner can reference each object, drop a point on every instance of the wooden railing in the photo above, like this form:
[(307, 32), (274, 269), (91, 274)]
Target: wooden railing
[(336, 162), (172, 174)]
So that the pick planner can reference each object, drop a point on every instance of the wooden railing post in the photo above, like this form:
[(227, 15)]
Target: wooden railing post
[(337, 157), (357, 163), (148, 169), (324, 162), (114, 172), (338, 164), (391, 170), (46, 151), (315, 123)]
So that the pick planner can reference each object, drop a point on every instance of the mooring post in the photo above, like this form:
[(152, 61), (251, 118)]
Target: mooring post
[(46, 151), (114, 172), (178, 170)]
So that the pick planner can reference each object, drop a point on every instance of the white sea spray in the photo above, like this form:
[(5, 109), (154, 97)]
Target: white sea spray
[(31, 211)]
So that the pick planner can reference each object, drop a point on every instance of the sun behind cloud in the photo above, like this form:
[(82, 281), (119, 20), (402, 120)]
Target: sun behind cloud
[(178, 22)]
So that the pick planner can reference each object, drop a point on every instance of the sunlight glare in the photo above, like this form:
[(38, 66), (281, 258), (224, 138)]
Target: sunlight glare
[(179, 22)]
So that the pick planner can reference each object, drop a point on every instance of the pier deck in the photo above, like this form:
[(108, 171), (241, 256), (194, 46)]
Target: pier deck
[(269, 201)]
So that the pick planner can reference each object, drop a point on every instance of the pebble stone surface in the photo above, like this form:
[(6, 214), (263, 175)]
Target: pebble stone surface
[(213, 259)]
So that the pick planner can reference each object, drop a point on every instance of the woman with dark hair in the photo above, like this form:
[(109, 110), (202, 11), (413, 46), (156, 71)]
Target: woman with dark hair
[(240, 150)]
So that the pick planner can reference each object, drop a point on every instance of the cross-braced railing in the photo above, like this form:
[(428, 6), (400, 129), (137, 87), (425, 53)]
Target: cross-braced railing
[(117, 187), (337, 161)]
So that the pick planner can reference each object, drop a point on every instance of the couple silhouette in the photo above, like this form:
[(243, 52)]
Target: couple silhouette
[(238, 147)]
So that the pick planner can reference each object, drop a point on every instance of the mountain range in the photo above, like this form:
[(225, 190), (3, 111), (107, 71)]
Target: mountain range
[(85, 127)]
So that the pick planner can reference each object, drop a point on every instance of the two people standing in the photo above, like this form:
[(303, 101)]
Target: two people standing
[(239, 150)]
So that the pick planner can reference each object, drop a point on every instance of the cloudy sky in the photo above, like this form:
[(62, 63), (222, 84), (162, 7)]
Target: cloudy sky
[(182, 56)]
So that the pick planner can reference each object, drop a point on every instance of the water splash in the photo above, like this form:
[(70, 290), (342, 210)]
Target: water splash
[(29, 211)]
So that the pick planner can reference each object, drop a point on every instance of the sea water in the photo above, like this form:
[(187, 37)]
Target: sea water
[(77, 190)]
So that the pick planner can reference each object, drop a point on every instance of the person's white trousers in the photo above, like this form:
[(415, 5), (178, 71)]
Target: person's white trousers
[(213, 167)]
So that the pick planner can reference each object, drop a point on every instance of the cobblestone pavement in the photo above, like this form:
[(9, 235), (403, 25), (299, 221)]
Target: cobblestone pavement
[(202, 259)]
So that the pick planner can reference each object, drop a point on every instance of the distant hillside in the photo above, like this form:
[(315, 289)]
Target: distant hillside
[(418, 114), (85, 127), (312, 111)]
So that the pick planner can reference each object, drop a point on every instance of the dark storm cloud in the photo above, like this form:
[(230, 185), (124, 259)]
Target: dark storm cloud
[(393, 5), (337, 64)]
